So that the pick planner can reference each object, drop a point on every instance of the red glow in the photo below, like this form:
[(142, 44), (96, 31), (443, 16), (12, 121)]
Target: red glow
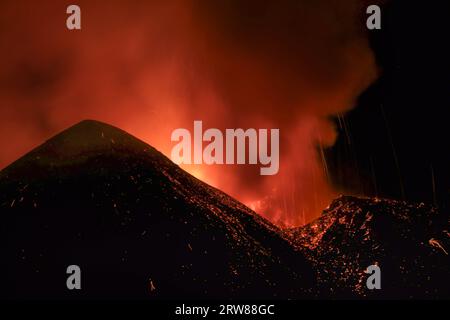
[(152, 67)]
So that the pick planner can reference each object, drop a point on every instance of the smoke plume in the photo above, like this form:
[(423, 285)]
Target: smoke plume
[(150, 67)]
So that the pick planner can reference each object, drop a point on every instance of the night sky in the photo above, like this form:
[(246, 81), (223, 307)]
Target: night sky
[(399, 130)]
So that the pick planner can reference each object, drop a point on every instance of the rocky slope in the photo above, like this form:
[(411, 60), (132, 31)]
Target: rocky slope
[(136, 224), (139, 227), (409, 242)]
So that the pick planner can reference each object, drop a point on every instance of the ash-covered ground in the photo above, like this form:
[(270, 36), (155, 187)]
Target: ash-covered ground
[(139, 227)]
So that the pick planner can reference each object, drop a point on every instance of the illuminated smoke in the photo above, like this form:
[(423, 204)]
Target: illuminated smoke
[(151, 67)]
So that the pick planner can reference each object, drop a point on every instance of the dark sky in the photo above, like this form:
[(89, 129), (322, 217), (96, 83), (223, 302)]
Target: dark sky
[(400, 128)]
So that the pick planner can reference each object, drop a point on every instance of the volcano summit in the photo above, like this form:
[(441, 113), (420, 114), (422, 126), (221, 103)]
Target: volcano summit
[(136, 224)]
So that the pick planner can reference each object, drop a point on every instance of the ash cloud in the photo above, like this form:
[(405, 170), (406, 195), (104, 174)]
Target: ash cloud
[(151, 67)]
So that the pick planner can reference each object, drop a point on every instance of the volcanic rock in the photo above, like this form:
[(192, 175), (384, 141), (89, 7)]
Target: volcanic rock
[(409, 242), (137, 226)]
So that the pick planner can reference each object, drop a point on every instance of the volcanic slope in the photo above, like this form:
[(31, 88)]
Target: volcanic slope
[(136, 224), (409, 242)]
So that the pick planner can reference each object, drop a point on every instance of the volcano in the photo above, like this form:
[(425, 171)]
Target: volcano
[(137, 226)]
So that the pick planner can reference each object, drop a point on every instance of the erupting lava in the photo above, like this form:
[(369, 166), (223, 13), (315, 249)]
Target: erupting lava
[(154, 66)]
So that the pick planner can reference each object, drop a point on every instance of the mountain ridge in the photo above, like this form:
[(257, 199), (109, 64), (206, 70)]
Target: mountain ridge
[(140, 227), (406, 240), (96, 194)]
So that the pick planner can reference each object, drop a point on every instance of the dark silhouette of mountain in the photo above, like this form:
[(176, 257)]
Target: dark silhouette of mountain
[(139, 227), (136, 224), (409, 242)]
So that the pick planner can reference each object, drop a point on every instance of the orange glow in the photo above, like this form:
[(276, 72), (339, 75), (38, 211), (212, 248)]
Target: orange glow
[(151, 67)]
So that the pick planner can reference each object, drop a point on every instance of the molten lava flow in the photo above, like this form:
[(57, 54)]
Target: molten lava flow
[(152, 67)]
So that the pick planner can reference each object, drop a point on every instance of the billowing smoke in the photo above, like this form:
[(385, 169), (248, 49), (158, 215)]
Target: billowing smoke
[(150, 67)]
